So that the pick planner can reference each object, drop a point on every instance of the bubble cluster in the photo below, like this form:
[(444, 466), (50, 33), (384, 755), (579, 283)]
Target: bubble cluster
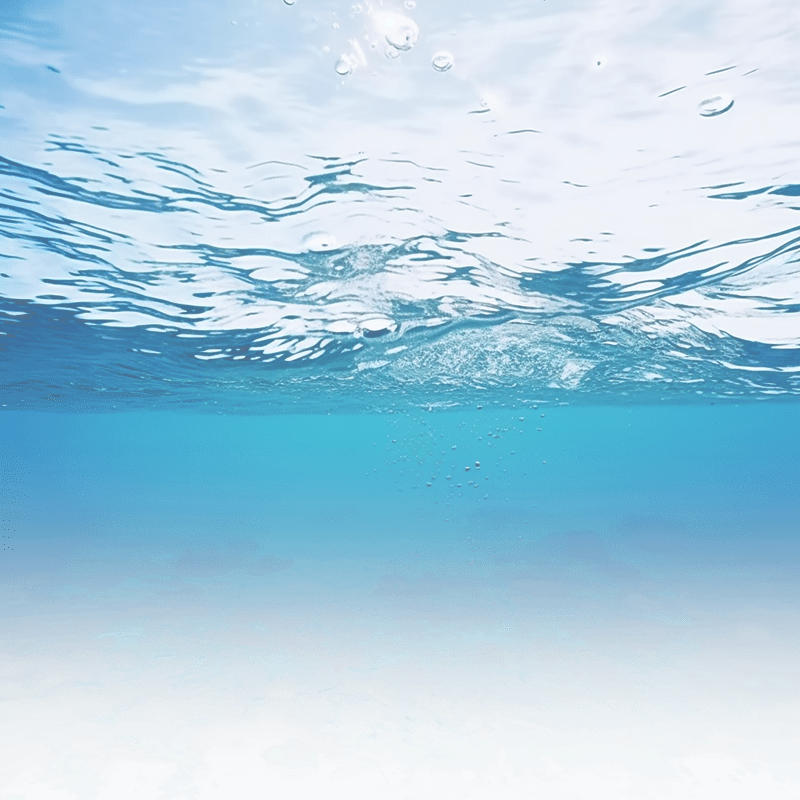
[(420, 458)]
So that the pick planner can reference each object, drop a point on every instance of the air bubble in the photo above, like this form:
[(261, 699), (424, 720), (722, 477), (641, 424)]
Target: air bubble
[(344, 66), (478, 464), (442, 62), (392, 52), (410, 4), (356, 8), (289, 2), (401, 32), (466, 469), (714, 106)]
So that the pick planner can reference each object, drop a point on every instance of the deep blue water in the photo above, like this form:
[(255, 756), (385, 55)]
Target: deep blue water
[(399, 400)]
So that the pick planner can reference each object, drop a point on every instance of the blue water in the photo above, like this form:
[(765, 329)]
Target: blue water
[(201, 604), (399, 400)]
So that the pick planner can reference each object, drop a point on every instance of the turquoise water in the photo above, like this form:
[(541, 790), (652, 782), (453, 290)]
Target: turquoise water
[(399, 400), (199, 605)]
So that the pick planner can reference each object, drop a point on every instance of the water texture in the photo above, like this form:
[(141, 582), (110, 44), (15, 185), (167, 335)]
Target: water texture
[(426, 378), (592, 199)]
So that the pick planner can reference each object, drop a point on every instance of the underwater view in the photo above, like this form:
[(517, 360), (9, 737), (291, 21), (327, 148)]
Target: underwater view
[(399, 400)]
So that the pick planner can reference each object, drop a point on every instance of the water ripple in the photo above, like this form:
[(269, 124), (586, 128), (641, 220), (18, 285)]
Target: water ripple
[(159, 319), (248, 226)]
